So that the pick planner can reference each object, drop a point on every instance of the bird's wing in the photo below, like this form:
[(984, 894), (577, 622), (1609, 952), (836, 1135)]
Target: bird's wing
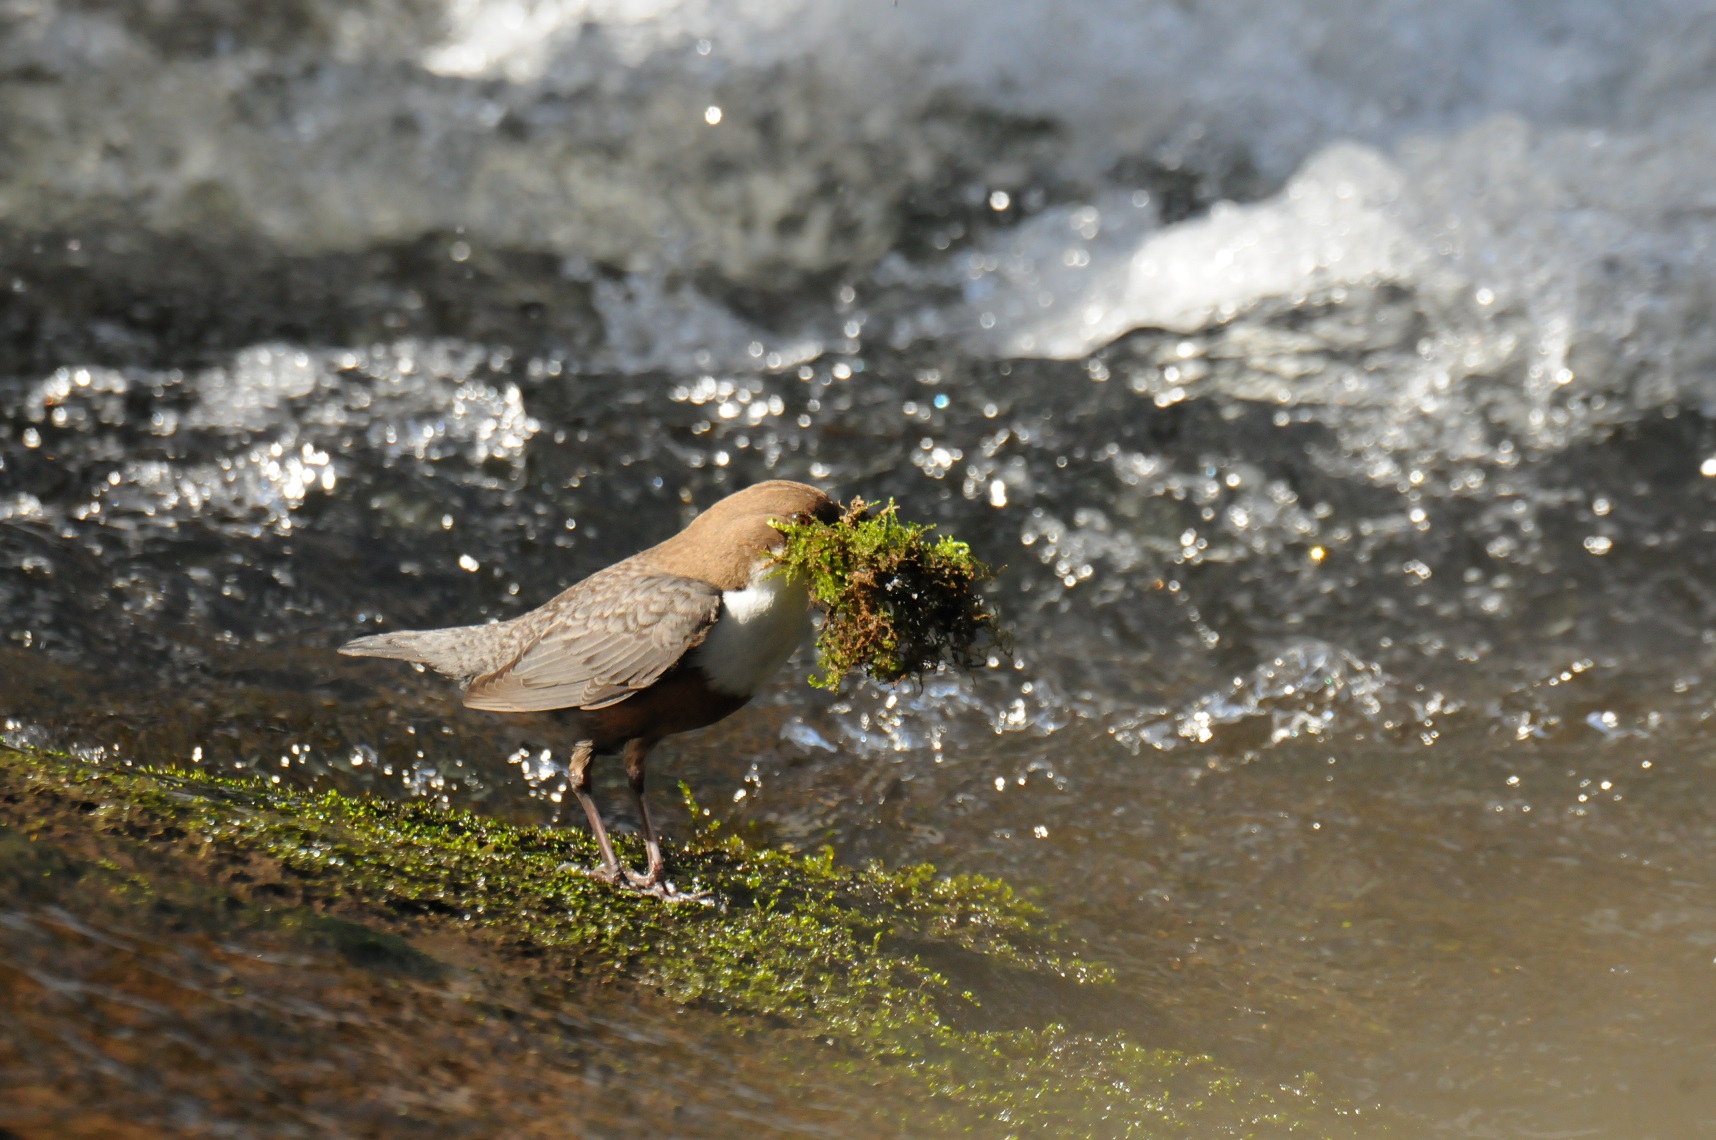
[(601, 641)]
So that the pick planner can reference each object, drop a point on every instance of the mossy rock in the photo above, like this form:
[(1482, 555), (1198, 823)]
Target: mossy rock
[(909, 979)]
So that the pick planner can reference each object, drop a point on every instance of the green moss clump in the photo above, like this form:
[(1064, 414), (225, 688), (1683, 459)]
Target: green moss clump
[(958, 997), (897, 602)]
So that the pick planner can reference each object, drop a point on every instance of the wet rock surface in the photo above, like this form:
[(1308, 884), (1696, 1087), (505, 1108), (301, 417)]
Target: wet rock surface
[(366, 968)]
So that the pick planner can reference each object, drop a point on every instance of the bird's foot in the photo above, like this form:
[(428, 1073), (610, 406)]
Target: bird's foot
[(608, 875), (654, 885), (669, 893), (659, 888)]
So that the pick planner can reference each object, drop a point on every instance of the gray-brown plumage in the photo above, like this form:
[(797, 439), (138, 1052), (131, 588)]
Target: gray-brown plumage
[(669, 640)]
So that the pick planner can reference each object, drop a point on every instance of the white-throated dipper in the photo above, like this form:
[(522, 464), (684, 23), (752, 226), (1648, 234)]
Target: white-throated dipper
[(669, 640)]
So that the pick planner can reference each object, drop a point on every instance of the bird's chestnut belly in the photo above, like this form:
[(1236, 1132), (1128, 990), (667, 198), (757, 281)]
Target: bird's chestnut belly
[(679, 702)]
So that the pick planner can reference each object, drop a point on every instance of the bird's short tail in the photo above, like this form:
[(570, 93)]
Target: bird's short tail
[(464, 652)]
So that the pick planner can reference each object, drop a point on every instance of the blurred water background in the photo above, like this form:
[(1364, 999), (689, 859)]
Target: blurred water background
[(1335, 379)]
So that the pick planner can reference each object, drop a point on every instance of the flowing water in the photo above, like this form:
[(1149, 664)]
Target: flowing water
[(1335, 380)]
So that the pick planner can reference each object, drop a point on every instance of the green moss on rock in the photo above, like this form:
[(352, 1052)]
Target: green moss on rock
[(910, 977)]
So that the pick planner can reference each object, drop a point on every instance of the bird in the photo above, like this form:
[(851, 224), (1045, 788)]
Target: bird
[(672, 639)]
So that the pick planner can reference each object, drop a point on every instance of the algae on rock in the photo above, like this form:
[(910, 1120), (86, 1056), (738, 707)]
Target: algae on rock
[(907, 978)]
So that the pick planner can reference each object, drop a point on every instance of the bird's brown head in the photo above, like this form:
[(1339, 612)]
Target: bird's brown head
[(723, 545)]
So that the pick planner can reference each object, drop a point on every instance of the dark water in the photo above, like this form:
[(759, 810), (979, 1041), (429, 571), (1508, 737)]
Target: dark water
[(1336, 384)]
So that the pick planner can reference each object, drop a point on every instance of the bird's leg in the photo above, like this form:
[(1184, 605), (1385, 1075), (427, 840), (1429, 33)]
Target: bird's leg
[(637, 751), (578, 768)]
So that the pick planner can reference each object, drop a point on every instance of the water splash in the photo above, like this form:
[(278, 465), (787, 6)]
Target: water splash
[(1309, 688)]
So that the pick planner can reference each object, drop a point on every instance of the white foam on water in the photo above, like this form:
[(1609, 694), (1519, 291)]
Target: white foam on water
[(608, 151), (1281, 78), (1062, 297), (1535, 176), (1559, 277)]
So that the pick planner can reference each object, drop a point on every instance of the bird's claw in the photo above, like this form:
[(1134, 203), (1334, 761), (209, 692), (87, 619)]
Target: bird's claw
[(669, 893), (652, 885), (608, 875), (657, 887)]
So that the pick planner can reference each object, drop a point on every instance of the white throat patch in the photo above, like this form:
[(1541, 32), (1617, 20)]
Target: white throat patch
[(757, 630)]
